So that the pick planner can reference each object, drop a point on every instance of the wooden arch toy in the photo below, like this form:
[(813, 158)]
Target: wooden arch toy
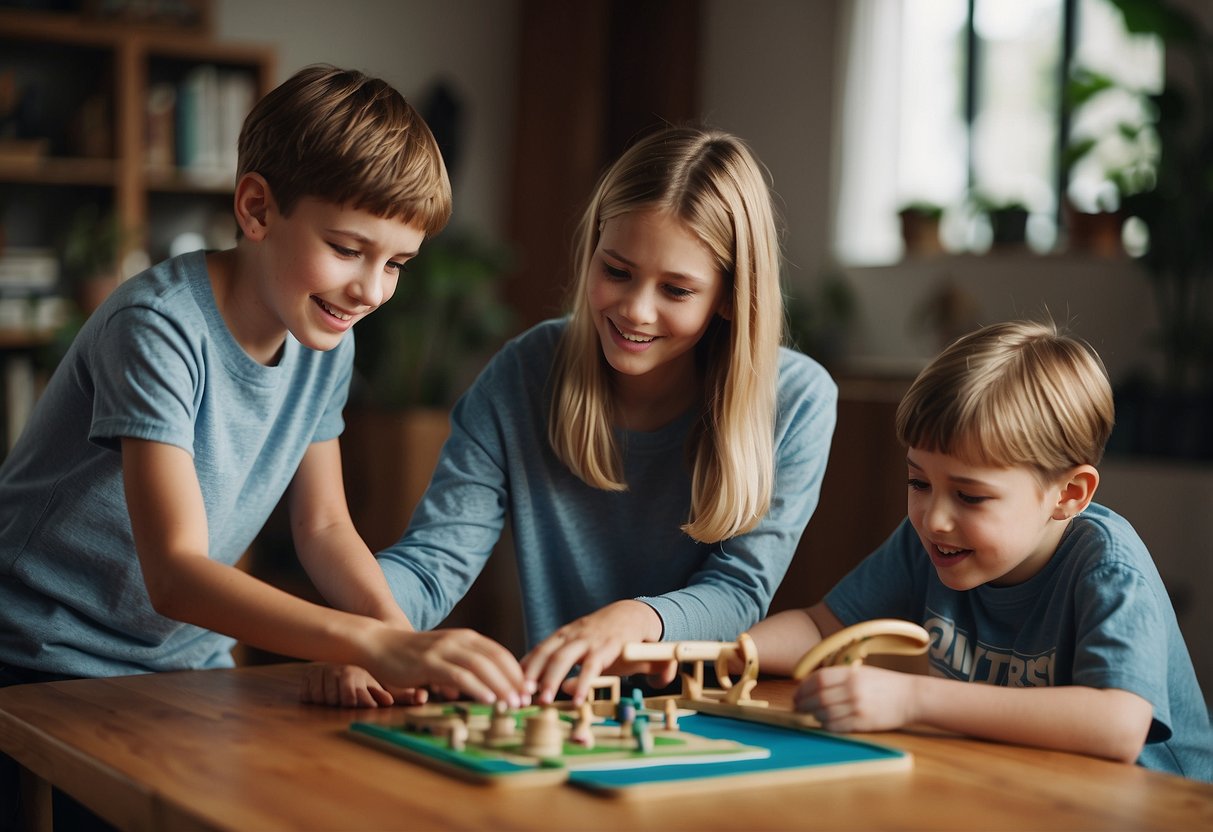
[(695, 653), (851, 645)]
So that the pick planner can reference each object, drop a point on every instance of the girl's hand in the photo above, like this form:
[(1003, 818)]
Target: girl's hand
[(349, 686), (449, 662), (857, 698), (594, 642)]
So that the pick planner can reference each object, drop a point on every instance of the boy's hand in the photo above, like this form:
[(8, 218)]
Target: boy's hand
[(448, 661), (348, 686), (857, 697), (595, 641)]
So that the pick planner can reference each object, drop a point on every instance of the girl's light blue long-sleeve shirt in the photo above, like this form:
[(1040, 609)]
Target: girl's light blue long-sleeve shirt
[(580, 548)]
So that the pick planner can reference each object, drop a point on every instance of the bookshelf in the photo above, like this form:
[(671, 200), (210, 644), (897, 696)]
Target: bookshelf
[(94, 118), (79, 128)]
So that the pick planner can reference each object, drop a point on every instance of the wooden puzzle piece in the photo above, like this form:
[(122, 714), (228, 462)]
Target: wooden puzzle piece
[(692, 655), (851, 645)]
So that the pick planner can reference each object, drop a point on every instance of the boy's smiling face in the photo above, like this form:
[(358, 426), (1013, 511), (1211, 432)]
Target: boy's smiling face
[(331, 265), (980, 524)]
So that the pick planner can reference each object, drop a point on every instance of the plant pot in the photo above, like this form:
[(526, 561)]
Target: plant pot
[(920, 233), (1095, 234), (1009, 227)]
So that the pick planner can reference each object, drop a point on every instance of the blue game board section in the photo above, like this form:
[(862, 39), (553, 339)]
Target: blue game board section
[(790, 748)]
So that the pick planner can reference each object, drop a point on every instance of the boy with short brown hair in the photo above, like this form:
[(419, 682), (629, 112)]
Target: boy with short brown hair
[(208, 387)]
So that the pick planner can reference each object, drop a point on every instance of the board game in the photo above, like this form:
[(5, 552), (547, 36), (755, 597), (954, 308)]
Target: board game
[(705, 739), (703, 752)]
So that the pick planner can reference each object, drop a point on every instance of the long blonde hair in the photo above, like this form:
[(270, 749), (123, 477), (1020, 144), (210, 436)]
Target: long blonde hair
[(712, 182)]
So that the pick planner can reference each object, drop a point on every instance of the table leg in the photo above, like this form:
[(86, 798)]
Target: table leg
[(36, 812)]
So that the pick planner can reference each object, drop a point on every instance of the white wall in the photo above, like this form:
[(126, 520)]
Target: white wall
[(768, 76), (411, 44)]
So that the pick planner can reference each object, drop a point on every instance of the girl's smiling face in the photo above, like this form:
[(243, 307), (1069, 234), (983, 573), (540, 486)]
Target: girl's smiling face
[(653, 288), (981, 524)]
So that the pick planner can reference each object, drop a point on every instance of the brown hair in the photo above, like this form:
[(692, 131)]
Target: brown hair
[(1016, 393), (346, 138)]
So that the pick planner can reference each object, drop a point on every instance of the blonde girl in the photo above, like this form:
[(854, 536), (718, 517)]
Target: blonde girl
[(656, 451)]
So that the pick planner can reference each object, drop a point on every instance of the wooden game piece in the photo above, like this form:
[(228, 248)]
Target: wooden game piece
[(851, 645), (644, 739), (457, 738), (738, 693), (542, 736), (686, 653), (671, 715), (625, 714), (503, 725), (609, 685), (582, 731), (692, 654)]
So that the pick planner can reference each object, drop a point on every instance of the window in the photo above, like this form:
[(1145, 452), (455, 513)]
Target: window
[(983, 115)]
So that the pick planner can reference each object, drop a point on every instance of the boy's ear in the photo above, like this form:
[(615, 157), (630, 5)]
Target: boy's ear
[(253, 201), (1077, 490)]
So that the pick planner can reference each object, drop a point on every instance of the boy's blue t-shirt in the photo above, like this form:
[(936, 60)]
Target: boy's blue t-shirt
[(155, 362), (1097, 615)]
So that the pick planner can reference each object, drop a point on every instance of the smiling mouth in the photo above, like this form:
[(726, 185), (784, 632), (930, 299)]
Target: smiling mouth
[(336, 313), (633, 339), (950, 552)]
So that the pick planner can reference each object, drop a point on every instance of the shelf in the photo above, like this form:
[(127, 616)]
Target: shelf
[(61, 171), (104, 109)]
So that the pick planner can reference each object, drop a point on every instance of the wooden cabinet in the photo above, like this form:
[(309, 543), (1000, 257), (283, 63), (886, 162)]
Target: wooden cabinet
[(80, 125)]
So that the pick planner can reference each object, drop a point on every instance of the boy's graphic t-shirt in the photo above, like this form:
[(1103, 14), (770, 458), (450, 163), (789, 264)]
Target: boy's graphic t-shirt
[(1097, 615)]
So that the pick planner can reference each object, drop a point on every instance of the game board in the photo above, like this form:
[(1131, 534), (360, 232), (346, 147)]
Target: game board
[(707, 739), (703, 752)]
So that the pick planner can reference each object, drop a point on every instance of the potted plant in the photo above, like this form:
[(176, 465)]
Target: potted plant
[(1173, 412), (920, 221), (1008, 219), (1112, 155), (415, 355)]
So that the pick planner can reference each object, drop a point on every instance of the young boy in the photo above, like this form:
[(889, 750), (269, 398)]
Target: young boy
[(206, 388), (1023, 583)]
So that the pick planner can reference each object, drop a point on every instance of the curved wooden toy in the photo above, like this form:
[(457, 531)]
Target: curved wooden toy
[(851, 645), (738, 692)]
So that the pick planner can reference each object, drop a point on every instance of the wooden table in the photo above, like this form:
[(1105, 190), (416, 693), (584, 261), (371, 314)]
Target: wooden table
[(234, 749)]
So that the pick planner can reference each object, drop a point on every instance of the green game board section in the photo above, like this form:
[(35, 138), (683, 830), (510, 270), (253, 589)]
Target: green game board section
[(470, 759), (488, 761)]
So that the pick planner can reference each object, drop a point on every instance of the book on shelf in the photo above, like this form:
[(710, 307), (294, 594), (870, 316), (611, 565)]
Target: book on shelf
[(193, 126)]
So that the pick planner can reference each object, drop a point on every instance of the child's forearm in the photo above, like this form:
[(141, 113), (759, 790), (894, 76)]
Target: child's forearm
[(1103, 723), (348, 576), (226, 600), (783, 638), (332, 552)]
